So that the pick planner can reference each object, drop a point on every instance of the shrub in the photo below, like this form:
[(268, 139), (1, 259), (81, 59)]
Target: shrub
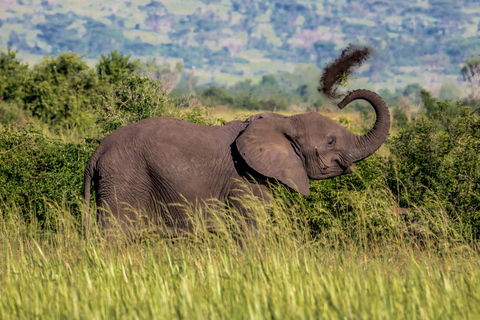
[(274, 104), (11, 114), (327, 197), (36, 170), (132, 99), (214, 96), (247, 102), (399, 116), (14, 77), (434, 107), (63, 90), (438, 158), (114, 66)]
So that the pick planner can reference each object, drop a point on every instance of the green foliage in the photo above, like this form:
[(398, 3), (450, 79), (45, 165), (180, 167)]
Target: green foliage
[(470, 63), (449, 91), (214, 96), (390, 98), (14, 76), (135, 98), (10, 115), (400, 119), (269, 80), (329, 197), (36, 170), (434, 108), (114, 66), (412, 92), (429, 103), (132, 99), (201, 115), (274, 104), (63, 90), (272, 93), (437, 158)]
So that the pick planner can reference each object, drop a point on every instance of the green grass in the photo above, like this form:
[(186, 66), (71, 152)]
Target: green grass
[(275, 271)]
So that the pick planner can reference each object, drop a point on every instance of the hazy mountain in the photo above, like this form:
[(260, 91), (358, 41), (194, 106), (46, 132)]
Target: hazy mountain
[(223, 39)]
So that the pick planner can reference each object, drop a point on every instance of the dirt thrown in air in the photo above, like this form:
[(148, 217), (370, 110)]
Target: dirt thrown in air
[(352, 57)]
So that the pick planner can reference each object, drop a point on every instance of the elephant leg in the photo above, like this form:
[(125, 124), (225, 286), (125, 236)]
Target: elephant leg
[(114, 222), (249, 200), (120, 216)]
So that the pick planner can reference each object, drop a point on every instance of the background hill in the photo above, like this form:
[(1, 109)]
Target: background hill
[(226, 41)]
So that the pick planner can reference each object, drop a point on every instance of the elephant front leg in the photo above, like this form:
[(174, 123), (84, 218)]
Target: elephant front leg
[(250, 202)]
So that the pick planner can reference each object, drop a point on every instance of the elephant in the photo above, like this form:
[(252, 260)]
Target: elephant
[(155, 163)]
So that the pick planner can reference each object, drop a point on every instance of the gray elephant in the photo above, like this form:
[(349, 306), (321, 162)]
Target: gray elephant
[(154, 163)]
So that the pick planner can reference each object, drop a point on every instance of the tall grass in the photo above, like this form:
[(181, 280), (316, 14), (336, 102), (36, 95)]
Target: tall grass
[(351, 270)]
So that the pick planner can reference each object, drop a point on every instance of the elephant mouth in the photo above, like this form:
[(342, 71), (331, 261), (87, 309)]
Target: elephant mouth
[(336, 170), (336, 173), (345, 169)]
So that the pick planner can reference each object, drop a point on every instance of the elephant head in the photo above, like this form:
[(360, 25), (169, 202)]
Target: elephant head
[(310, 146)]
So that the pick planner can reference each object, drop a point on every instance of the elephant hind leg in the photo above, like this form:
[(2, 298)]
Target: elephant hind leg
[(120, 219)]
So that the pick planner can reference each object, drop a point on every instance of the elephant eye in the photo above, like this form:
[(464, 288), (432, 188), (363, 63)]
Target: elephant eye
[(331, 141)]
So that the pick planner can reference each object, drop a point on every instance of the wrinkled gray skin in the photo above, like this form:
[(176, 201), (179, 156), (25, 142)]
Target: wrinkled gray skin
[(156, 162)]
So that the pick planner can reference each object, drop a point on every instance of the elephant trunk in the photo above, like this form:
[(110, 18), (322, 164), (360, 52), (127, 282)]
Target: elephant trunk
[(368, 143)]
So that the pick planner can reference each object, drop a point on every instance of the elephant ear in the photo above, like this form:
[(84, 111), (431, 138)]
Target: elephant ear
[(265, 147)]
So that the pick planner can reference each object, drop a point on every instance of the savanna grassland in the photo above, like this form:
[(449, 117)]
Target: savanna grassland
[(397, 239)]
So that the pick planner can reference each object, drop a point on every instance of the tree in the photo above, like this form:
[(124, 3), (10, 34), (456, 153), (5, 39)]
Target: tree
[(471, 74), (14, 76), (115, 65), (63, 90)]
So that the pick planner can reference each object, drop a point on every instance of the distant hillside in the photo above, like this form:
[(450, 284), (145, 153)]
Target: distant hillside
[(226, 40)]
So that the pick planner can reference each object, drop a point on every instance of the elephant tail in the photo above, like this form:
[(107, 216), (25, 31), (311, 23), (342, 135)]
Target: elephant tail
[(87, 183)]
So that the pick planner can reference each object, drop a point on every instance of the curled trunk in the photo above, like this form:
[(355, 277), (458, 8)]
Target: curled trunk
[(368, 143)]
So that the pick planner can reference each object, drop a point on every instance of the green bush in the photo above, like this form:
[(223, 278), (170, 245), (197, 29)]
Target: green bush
[(274, 104), (437, 159), (329, 197), (247, 102), (63, 90), (132, 99), (434, 108), (215, 96), (399, 116), (11, 114), (114, 66), (36, 170), (14, 77)]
